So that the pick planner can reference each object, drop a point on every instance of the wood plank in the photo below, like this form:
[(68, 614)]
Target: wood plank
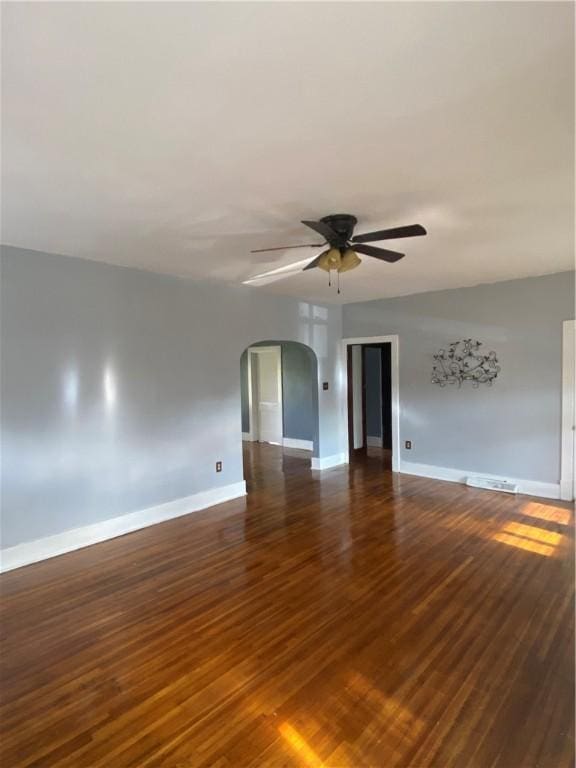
[(345, 618)]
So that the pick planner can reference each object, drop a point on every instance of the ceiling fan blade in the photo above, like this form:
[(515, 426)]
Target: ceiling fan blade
[(267, 279), (413, 230), (287, 247), (323, 229), (314, 262), (276, 274), (378, 253)]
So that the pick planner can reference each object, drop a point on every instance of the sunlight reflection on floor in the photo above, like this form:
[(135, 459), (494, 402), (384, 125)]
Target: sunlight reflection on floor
[(547, 512), (533, 537), (300, 746), (534, 533), (520, 543)]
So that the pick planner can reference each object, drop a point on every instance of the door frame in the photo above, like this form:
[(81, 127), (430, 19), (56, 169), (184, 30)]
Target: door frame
[(393, 340), (254, 434), (352, 401), (567, 479)]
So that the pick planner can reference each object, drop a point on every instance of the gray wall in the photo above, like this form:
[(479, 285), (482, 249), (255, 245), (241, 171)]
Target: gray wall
[(512, 428), (299, 391), (120, 388), (244, 401), (373, 392), (298, 403)]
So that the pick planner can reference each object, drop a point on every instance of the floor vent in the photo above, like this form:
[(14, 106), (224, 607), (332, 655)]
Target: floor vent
[(492, 485)]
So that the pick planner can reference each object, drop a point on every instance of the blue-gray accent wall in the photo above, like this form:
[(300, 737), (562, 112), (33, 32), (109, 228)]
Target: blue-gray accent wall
[(510, 429), (120, 387)]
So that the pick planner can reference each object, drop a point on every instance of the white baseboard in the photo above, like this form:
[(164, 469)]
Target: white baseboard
[(528, 487), (67, 541), (327, 462), (373, 441), (247, 437), (292, 442)]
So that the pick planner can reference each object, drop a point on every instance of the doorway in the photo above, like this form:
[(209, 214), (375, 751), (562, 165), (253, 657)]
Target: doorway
[(376, 381), (265, 399), (279, 410), (372, 399), (370, 387)]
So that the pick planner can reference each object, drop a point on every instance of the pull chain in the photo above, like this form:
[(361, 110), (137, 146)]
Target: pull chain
[(337, 279)]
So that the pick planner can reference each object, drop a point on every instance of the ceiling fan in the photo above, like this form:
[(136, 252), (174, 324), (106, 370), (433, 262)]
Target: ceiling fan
[(344, 247)]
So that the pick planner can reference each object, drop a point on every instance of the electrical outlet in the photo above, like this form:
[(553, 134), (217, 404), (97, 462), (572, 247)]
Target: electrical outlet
[(218, 466), (408, 445)]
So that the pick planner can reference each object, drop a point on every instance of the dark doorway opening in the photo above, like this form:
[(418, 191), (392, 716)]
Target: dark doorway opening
[(370, 400)]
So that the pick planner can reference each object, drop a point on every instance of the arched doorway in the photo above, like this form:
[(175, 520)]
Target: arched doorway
[(279, 401)]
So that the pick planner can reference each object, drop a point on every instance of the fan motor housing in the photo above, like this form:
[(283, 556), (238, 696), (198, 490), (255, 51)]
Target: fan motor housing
[(343, 224)]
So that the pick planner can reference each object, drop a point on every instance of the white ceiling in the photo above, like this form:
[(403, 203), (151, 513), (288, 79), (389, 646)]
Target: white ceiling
[(176, 137)]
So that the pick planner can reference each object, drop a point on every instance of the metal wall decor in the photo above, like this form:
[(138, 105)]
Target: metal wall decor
[(465, 362)]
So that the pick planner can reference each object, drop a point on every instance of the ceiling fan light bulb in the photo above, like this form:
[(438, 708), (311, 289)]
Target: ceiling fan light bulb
[(330, 260), (335, 258), (350, 260)]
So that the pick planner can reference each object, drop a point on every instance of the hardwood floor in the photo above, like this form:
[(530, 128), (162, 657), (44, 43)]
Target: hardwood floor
[(344, 618)]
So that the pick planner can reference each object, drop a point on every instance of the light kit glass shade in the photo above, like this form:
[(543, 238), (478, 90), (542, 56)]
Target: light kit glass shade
[(350, 260), (330, 260)]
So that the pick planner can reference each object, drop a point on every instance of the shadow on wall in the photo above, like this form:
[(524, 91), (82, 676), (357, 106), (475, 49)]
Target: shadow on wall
[(299, 394)]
